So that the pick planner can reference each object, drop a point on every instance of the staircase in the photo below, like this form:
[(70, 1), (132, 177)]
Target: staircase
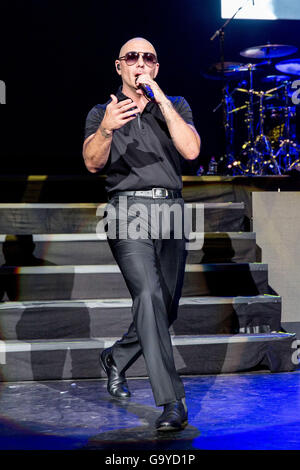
[(64, 298)]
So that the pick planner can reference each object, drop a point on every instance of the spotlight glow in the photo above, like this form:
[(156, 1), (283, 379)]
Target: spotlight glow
[(262, 9)]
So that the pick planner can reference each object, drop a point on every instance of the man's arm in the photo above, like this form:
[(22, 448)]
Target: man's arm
[(184, 136), (96, 147)]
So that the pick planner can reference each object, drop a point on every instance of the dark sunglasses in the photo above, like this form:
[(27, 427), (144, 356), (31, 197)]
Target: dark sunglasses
[(131, 58)]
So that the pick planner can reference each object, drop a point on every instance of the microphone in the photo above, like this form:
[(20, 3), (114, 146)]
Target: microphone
[(253, 2), (146, 89)]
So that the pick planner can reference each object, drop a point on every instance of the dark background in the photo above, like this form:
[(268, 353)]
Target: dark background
[(57, 60)]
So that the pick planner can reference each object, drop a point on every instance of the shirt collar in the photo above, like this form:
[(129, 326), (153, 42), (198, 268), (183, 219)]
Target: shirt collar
[(148, 108), (120, 94)]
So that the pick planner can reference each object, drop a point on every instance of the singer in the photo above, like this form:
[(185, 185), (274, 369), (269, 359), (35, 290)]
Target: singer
[(137, 139)]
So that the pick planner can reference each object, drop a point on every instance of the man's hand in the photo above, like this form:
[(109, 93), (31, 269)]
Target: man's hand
[(117, 114), (144, 78), (96, 147)]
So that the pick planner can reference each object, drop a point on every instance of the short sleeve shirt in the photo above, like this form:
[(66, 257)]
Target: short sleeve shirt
[(142, 154)]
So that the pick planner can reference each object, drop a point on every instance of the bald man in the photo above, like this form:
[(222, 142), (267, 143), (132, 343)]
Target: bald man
[(138, 139)]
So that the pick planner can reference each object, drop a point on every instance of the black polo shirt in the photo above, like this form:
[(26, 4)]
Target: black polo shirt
[(142, 154)]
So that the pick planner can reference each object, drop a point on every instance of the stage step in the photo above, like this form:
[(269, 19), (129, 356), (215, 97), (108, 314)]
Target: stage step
[(81, 248), (112, 317), (35, 218), (208, 354), (98, 282)]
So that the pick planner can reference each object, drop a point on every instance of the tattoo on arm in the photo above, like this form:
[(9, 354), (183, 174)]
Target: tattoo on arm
[(169, 112), (165, 108)]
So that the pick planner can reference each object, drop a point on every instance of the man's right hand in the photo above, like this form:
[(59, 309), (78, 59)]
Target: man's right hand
[(117, 113)]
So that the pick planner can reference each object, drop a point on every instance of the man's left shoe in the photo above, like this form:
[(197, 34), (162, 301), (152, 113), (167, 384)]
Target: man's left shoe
[(173, 418)]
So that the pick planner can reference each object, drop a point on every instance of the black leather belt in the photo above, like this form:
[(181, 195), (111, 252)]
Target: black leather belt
[(154, 193)]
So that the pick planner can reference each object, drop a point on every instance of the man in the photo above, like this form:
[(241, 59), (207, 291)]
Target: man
[(138, 144)]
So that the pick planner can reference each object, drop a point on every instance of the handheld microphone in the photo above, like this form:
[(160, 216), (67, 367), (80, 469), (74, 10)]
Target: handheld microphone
[(147, 91)]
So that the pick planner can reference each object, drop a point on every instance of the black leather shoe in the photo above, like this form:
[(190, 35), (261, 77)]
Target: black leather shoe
[(117, 384), (173, 418)]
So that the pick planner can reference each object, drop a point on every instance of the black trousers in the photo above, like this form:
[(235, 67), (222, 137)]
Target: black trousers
[(153, 268)]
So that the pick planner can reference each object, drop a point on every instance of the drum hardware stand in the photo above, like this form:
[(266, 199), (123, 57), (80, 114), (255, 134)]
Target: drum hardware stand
[(228, 159), (221, 33), (262, 143), (236, 166), (254, 157), (257, 149), (249, 148)]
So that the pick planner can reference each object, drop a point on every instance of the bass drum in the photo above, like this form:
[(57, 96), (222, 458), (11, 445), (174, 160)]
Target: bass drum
[(275, 124)]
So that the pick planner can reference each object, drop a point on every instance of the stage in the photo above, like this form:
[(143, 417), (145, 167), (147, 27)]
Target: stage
[(63, 301), (63, 297), (245, 411)]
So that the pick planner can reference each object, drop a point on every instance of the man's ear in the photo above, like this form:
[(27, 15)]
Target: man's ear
[(156, 69), (118, 67)]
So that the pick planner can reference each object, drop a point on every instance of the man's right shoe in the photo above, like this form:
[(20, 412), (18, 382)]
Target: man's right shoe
[(116, 384)]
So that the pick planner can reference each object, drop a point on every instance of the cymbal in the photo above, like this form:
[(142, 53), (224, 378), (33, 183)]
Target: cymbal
[(229, 67), (291, 66), (268, 51), (231, 70), (247, 67), (276, 78)]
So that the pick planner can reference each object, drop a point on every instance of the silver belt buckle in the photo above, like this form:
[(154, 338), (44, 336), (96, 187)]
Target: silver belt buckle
[(159, 192)]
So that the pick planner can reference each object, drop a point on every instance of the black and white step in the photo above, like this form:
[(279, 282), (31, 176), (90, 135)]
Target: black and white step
[(98, 282), (84, 248), (111, 317), (209, 354), (35, 218)]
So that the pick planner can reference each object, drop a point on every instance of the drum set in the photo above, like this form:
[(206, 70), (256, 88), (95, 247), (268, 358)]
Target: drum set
[(265, 117)]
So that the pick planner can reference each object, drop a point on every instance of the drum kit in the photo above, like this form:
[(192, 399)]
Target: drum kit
[(266, 117)]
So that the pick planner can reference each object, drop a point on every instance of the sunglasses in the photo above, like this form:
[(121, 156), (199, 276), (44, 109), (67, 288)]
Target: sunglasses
[(131, 58)]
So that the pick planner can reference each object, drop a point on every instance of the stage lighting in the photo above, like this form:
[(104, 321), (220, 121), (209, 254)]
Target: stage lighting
[(261, 9)]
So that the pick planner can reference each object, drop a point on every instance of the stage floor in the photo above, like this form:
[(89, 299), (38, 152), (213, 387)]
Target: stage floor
[(249, 411)]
